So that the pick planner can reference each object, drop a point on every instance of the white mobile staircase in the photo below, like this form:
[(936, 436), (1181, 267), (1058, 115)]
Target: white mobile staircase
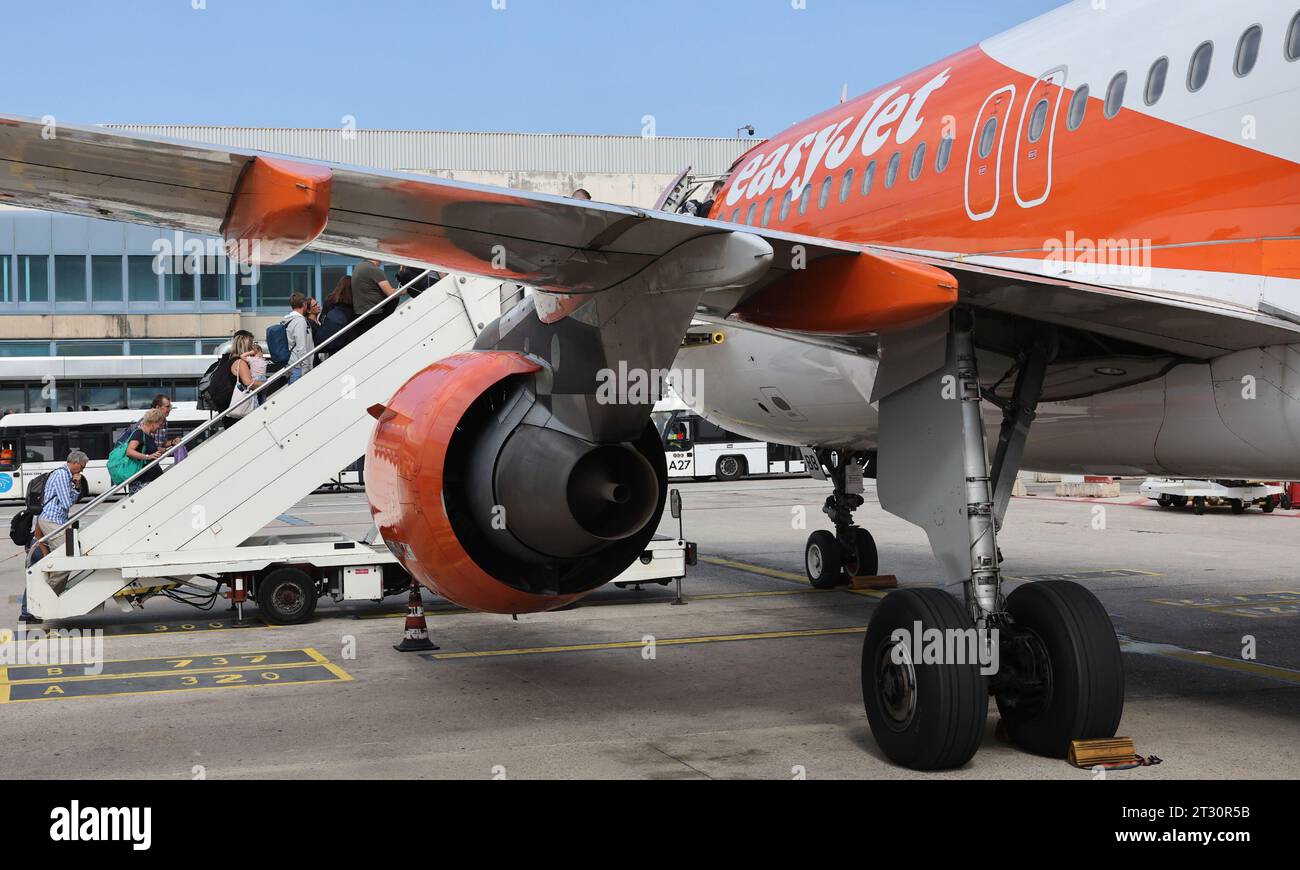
[(234, 484)]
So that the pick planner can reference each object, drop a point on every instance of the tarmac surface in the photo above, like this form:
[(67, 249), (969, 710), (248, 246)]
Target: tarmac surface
[(756, 677)]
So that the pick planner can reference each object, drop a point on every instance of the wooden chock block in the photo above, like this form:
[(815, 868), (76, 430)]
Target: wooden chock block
[(885, 581)]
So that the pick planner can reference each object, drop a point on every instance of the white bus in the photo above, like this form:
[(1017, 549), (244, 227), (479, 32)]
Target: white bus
[(698, 449), (33, 444)]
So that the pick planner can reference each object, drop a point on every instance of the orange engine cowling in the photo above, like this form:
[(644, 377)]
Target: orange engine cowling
[(491, 508)]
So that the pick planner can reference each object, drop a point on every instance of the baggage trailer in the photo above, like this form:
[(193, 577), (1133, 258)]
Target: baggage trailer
[(1202, 494)]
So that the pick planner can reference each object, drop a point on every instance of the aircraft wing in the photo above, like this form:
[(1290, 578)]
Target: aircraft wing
[(559, 245)]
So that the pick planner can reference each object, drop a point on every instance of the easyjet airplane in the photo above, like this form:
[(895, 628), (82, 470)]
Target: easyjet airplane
[(1090, 223)]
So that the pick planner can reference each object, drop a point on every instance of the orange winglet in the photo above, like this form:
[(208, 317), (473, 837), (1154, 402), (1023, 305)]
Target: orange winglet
[(279, 207), (866, 293)]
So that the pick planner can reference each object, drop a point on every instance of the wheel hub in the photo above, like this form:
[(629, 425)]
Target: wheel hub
[(896, 683), (1024, 682), (816, 562)]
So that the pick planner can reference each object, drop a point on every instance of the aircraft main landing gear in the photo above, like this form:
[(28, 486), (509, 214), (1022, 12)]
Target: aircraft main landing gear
[(834, 559), (1047, 652)]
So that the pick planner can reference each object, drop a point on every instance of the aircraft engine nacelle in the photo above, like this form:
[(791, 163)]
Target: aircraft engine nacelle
[(491, 506)]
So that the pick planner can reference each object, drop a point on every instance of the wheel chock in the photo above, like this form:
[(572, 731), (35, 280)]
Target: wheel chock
[(1115, 753), (884, 581)]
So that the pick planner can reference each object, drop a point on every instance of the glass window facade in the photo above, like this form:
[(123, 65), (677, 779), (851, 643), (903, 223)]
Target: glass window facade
[(6, 279), (69, 279), (105, 279), (33, 278), (141, 279)]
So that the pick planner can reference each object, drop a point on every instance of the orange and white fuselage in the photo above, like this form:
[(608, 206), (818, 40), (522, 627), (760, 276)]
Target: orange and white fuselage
[(1184, 183)]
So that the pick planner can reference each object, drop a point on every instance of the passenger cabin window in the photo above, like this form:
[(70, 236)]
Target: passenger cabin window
[(804, 199), (1293, 39), (945, 154), (767, 210), (735, 216), (846, 186), (826, 192), (749, 215), (785, 205), (1248, 51), (1038, 120), (1156, 81), (891, 173), (918, 162), (1115, 94), (1078, 107), (1198, 72), (868, 178), (987, 137)]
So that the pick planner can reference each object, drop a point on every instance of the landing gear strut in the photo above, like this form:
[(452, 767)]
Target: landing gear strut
[(835, 559), (1057, 675)]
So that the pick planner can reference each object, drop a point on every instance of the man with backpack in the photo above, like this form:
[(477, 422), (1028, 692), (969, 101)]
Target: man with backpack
[(292, 341), (61, 491)]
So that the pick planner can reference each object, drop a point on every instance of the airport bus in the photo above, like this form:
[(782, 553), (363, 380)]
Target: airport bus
[(33, 444), (699, 450)]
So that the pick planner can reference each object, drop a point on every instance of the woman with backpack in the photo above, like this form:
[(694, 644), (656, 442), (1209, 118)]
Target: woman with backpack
[(242, 400), (142, 447)]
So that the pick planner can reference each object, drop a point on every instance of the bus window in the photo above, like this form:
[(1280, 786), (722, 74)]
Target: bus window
[(95, 441), (8, 456), (678, 435), (39, 446)]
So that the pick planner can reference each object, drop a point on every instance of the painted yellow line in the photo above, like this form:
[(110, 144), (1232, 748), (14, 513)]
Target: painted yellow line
[(337, 671), (4, 693), (1286, 675), (784, 575), (191, 689), (637, 644), (181, 672), (756, 569), (316, 659)]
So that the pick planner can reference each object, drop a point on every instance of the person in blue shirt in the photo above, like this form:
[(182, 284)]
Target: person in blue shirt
[(62, 489)]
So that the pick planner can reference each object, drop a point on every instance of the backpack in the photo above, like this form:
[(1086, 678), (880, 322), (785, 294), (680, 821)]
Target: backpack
[(277, 343), (121, 467), (20, 527), (216, 386)]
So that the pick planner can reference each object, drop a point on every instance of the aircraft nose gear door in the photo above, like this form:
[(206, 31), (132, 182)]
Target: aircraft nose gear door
[(1048, 652)]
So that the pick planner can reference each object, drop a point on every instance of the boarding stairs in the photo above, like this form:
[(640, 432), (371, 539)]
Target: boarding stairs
[(237, 482)]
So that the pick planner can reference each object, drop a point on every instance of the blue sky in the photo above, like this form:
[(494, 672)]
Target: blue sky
[(700, 67)]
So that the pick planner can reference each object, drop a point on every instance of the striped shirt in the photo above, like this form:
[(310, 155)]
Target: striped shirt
[(60, 496)]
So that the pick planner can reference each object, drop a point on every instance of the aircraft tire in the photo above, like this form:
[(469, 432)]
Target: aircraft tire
[(822, 561), (1076, 642), (923, 716)]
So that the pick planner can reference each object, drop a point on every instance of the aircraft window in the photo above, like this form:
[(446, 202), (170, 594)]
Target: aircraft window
[(804, 199), (846, 186), (1293, 39), (1038, 120), (918, 162), (1078, 107), (1248, 51), (945, 154), (1156, 81), (749, 215), (735, 216), (785, 205), (988, 136), (891, 173), (767, 210), (1115, 94), (826, 192), (868, 178), (1199, 71)]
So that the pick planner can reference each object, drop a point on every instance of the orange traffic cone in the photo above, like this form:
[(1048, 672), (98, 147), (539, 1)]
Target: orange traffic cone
[(416, 636)]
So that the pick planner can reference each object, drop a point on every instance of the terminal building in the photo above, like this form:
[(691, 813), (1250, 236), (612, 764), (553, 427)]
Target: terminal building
[(88, 323)]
